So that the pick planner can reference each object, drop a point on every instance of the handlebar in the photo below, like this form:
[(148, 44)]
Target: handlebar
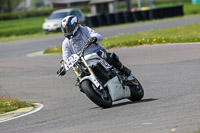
[(81, 53), (86, 46)]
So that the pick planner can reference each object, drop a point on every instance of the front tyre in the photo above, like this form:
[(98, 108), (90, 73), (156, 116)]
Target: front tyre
[(137, 91), (102, 99)]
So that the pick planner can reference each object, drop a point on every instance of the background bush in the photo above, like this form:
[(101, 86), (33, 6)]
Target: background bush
[(26, 14), (37, 13)]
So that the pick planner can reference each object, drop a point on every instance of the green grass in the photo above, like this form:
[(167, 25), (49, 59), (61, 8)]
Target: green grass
[(179, 34), (11, 104), (196, 131), (188, 33), (21, 27), (24, 37), (191, 9)]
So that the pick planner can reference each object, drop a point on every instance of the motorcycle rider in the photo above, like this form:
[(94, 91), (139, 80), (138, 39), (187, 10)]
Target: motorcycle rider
[(77, 36)]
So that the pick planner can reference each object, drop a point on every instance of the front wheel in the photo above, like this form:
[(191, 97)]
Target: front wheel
[(101, 98), (137, 91)]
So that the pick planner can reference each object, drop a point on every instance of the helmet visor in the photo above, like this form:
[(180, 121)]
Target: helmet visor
[(67, 30)]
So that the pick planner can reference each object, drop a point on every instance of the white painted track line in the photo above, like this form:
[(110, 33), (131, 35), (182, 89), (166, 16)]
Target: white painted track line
[(39, 106)]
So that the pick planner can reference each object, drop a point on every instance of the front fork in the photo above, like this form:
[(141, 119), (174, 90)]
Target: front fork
[(92, 76), (89, 69), (76, 72)]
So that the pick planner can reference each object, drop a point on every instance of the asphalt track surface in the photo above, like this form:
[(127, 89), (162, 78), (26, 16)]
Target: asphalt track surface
[(170, 76)]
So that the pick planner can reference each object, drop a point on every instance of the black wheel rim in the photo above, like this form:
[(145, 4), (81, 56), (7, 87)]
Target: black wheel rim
[(102, 93)]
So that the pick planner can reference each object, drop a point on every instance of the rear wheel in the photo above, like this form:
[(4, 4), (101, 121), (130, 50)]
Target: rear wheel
[(101, 98), (137, 91)]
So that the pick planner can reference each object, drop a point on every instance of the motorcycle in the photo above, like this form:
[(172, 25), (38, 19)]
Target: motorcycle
[(102, 83)]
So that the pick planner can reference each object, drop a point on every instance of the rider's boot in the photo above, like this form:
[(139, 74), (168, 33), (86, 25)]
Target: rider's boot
[(125, 70), (117, 63), (113, 59)]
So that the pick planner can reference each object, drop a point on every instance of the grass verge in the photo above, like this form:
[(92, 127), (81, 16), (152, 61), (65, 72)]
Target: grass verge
[(197, 132), (18, 27), (11, 104), (178, 34), (25, 37)]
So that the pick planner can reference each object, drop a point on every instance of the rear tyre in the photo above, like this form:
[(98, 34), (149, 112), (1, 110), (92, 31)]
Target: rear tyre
[(137, 91), (104, 101)]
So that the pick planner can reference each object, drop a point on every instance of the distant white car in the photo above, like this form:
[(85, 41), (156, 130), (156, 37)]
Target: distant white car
[(53, 23)]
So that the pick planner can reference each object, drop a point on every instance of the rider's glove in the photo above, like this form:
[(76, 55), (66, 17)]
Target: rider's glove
[(61, 71), (91, 40)]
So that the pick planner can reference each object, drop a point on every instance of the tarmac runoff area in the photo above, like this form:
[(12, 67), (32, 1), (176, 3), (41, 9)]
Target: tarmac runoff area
[(40, 53), (20, 112)]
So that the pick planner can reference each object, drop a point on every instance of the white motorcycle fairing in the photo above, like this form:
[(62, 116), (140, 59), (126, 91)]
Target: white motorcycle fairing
[(92, 79), (91, 59), (91, 56), (116, 89)]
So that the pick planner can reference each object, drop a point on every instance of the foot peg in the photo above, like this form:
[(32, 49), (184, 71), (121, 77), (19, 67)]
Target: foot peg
[(130, 78), (126, 71)]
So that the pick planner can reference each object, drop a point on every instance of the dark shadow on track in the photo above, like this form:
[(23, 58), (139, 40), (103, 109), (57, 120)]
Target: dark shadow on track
[(129, 102)]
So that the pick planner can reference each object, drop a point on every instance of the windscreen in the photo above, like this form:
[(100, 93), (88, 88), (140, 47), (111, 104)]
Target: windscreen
[(58, 15)]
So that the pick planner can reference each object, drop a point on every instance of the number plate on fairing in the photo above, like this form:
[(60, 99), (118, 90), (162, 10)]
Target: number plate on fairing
[(105, 64), (71, 61)]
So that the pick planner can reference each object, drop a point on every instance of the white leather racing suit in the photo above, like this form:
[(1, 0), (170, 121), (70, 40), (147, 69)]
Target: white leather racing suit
[(76, 44)]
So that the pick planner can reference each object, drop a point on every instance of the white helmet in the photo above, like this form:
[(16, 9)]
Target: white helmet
[(69, 26)]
